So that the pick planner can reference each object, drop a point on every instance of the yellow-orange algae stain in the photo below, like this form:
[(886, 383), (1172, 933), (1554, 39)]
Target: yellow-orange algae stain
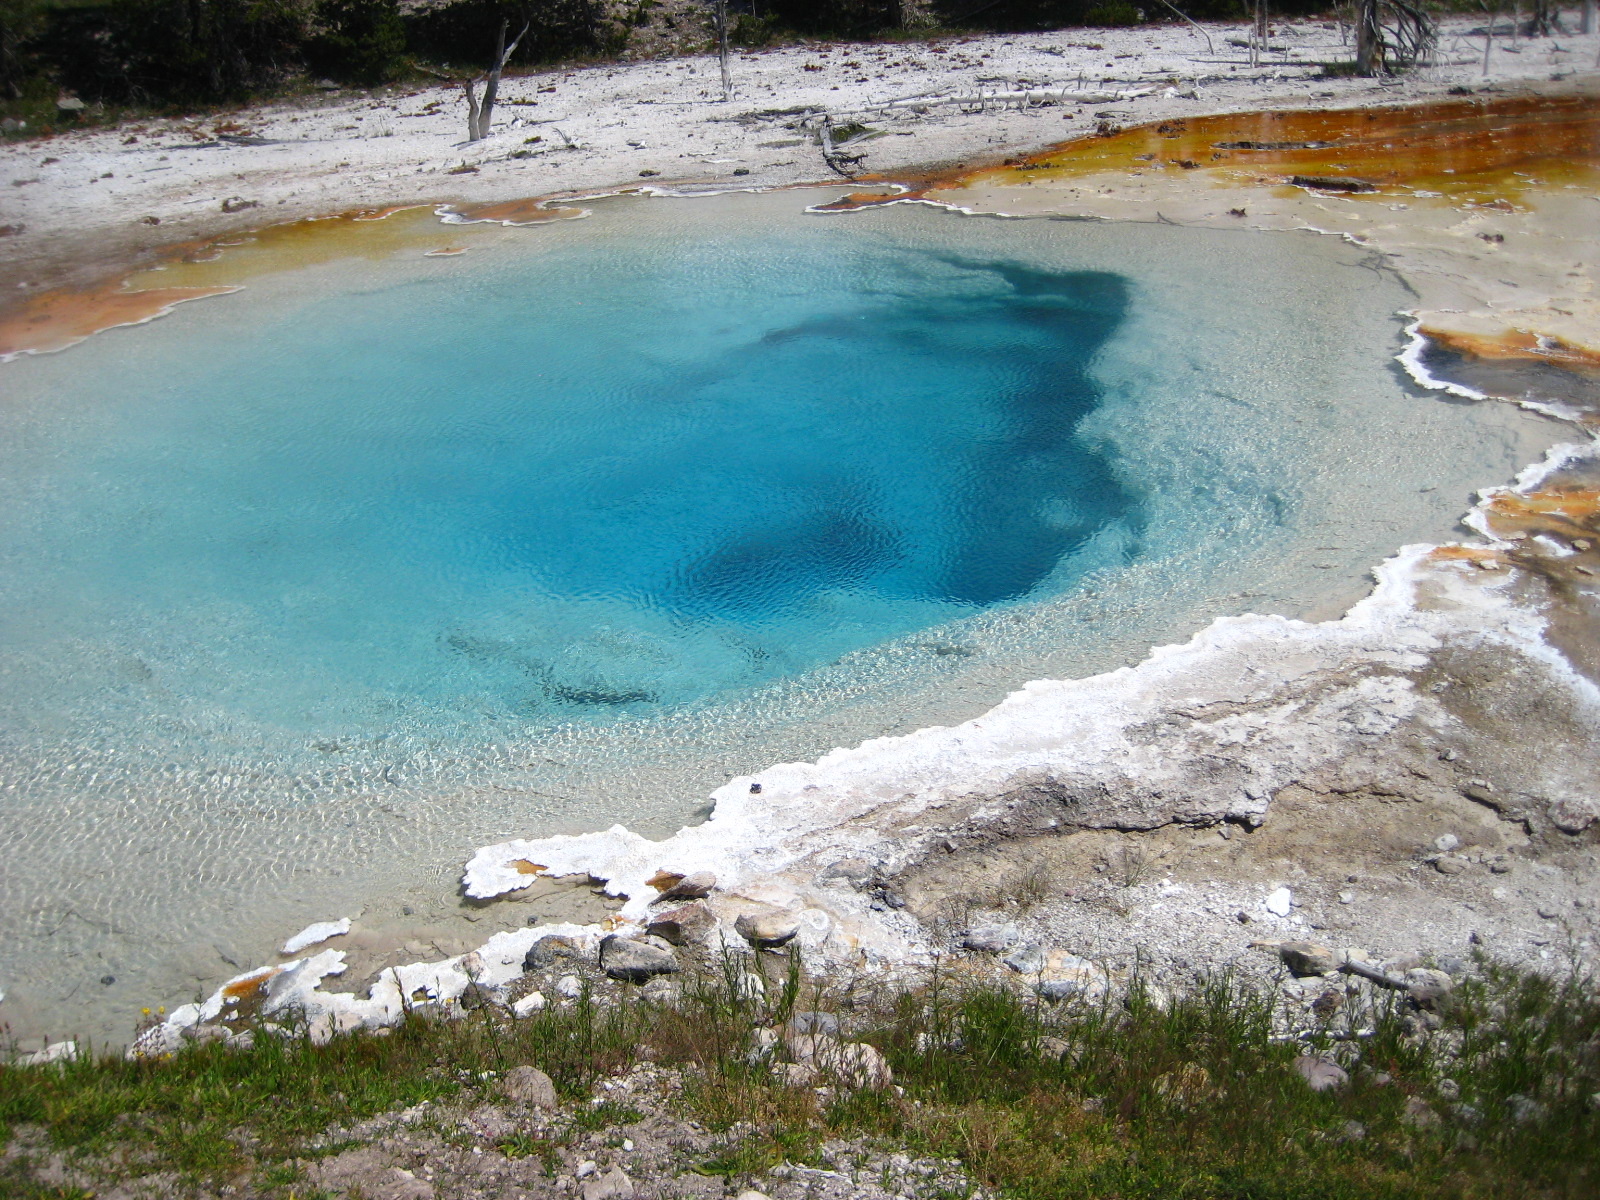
[(53, 321), (249, 987), (212, 267), (517, 212), (1572, 510), (1515, 344), (1480, 556), (1468, 151), (524, 867)]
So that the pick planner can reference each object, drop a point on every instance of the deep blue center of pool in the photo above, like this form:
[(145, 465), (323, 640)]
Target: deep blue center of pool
[(551, 488)]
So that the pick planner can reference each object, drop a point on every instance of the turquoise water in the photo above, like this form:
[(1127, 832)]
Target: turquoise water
[(467, 494), (306, 591)]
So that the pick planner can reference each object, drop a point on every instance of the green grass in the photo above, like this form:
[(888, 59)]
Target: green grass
[(1192, 1098)]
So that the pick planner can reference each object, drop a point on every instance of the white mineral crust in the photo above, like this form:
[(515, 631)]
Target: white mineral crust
[(311, 935)]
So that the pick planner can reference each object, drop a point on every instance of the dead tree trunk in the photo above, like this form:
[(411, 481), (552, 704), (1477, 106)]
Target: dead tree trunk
[(479, 115), (1369, 38), (722, 50), (1586, 21)]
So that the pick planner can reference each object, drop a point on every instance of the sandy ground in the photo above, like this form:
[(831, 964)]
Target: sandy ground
[(1363, 817), (88, 201)]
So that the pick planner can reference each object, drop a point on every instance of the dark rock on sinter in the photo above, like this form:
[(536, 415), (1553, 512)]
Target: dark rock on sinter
[(635, 961)]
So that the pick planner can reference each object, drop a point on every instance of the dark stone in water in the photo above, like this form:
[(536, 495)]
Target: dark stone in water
[(597, 696), (1247, 145), (1332, 183)]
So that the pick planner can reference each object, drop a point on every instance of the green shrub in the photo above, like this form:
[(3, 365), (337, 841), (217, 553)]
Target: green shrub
[(357, 41), (1117, 13)]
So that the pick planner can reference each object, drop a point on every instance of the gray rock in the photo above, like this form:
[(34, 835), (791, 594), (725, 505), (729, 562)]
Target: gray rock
[(1419, 1114), (691, 887), (1427, 977), (635, 961), (529, 1086), (1524, 1109), (1449, 864), (662, 990), (796, 1075), (853, 1064), (1307, 958), (613, 1185), (1320, 1074), (1027, 959), (1056, 990), (549, 949), (681, 926), (1573, 815), (854, 872), (1446, 843), (767, 927), (807, 1021), (992, 939), (1063, 976)]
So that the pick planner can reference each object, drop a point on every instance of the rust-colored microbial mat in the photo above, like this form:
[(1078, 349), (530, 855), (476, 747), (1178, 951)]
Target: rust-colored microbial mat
[(1515, 344), (54, 320), (1465, 151), (528, 211)]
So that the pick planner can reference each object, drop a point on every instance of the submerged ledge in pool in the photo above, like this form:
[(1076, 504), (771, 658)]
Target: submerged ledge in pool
[(352, 587)]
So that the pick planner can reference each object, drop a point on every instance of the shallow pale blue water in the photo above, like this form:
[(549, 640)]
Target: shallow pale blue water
[(308, 590)]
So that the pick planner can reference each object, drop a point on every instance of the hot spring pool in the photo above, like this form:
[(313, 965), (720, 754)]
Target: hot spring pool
[(309, 590)]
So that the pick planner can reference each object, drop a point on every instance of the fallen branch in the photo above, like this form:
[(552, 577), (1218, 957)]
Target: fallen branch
[(844, 164), (1351, 966), (1021, 97), (1210, 49)]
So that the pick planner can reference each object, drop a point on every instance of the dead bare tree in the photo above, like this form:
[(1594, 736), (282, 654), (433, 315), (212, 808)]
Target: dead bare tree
[(1391, 34), (480, 114), (722, 50), (1586, 21), (1369, 38)]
